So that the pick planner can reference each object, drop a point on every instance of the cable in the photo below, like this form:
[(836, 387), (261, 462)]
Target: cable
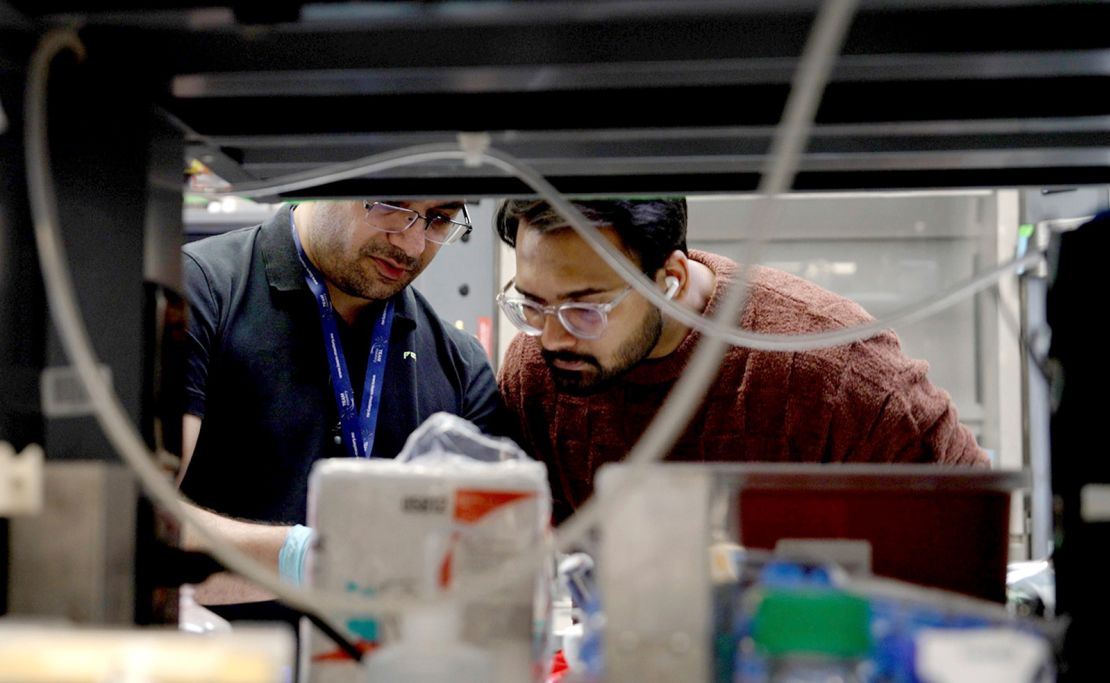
[(349, 648), (686, 396), (688, 393), (108, 411), (377, 163), (113, 419), (1029, 344), (627, 270), (789, 142), (786, 144)]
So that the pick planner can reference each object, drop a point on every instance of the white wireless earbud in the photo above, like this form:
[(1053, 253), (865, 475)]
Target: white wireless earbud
[(672, 286)]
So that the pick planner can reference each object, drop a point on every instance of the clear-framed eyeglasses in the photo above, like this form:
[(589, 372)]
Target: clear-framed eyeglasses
[(439, 228), (582, 319)]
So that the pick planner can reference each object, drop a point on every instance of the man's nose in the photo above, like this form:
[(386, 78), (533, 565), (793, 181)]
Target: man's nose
[(555, 337), (411, 241)]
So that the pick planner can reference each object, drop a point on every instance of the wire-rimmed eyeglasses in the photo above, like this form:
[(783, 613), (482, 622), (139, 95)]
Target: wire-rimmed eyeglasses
[(582, 319), (438, 228)]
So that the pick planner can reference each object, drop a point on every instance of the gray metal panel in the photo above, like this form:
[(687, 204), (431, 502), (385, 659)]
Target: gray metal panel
[(76, 559), (100, 124), (653, 74), (931, 90), (886, 216), (1038, 410), (884, 251), (654, 572), (1063, 203), (460, 282), (162, 230)]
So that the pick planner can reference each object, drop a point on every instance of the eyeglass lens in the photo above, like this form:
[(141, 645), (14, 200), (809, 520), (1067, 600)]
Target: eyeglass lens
[(438, 228), (580, 320)]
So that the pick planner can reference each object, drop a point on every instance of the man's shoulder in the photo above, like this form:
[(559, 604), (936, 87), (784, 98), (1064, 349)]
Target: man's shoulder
[(225, 251), (523, 364), (787, 304), (424, 315), (782, 303), (416, 306)]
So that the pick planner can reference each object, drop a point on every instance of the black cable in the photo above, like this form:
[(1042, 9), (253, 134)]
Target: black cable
[(211, 566), (338, 638)]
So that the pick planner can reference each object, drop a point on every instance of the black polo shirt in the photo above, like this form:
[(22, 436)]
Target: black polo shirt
[(258, 374)]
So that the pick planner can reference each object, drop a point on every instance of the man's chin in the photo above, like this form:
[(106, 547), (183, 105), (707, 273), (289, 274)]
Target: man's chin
[(572, 382), (377, 290)]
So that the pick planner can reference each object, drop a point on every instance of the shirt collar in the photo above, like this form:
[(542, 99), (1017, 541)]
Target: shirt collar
[(284, 272)]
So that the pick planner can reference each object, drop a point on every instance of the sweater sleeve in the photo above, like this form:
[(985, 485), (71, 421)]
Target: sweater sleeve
[(888, 411)]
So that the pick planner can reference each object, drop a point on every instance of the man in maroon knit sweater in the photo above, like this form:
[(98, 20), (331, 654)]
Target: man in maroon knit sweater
[(597, 359)]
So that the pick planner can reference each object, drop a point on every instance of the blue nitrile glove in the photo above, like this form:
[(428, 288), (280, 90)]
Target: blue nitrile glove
[(292, 554)]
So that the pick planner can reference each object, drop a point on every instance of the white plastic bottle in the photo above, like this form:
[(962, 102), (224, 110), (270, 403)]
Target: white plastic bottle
[(195, 618), (429, 651)]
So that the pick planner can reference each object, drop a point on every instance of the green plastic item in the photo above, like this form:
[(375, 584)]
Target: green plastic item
[(827, 623)]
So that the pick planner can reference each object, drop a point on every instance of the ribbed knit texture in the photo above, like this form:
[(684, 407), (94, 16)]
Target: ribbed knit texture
[(865, 402)]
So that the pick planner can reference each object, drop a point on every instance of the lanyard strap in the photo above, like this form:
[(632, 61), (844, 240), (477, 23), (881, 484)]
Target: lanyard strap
[(358, 425)]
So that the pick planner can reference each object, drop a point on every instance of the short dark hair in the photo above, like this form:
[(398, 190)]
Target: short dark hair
[(649, 228)]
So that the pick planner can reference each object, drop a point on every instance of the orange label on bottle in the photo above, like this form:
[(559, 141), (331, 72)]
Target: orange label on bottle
[(472, 505)]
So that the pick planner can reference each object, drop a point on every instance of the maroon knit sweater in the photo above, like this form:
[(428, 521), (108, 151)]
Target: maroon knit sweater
[(865, 402)]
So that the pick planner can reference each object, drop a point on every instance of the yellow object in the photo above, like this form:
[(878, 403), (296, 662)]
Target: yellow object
[(65, 655)]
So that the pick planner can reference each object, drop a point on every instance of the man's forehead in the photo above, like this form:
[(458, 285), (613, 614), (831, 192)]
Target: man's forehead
[(547, 245), (559, 265)]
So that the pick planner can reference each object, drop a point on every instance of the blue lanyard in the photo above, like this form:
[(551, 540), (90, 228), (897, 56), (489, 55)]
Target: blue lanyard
[(358, 425)]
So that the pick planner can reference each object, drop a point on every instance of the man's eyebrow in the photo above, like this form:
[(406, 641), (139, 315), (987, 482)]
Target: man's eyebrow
[(573, 294)]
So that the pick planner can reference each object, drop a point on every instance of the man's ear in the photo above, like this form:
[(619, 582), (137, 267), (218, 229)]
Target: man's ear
[(676, 271), (672, 286)]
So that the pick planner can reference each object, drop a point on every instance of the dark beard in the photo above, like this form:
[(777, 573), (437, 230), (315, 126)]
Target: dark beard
[(631, 353), (571, 382), (352, 280)]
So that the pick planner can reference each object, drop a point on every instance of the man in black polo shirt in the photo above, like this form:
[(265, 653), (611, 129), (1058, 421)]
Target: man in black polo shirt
[(306, 342)]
